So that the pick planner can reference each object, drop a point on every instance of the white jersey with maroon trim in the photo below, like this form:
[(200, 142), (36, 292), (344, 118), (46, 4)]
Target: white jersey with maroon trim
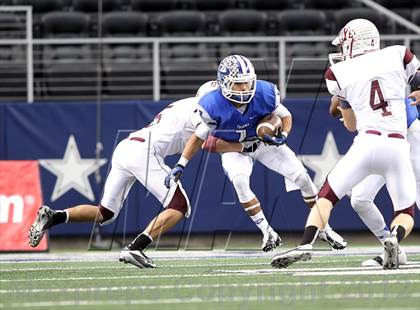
[(374, 84), (172, 127)]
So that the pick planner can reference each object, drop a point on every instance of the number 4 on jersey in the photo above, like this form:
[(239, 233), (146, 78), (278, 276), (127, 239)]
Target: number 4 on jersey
[(376, 92)]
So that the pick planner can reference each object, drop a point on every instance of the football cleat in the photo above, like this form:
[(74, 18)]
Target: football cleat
[(335, 240), (136, 258), (378, 261), (284, 260), (390, 253), (42, 223), (271, 240)]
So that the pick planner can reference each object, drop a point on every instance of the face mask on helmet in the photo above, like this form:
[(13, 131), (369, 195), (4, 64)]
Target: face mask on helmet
[(357, 37), (237, 79)]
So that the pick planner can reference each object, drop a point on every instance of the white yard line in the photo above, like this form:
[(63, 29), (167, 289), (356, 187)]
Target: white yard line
[(193, 286), (168, 255), (407, 269), (363, 272), (290, 299), (312, 262)]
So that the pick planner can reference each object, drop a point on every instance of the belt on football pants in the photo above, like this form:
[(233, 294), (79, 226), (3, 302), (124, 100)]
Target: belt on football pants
[(390, 135)]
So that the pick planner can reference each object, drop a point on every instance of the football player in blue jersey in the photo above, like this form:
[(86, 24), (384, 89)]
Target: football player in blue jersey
[(232, 113)]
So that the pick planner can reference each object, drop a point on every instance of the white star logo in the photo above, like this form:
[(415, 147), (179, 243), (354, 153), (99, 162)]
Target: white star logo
[(72, 171), (322, 164)]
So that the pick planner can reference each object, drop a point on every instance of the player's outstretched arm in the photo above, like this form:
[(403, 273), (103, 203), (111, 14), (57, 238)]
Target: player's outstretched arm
[(415, 96), (213, 144), (192, 146)]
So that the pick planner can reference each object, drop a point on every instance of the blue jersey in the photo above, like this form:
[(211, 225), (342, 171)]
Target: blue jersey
[(230, 124), (412, 112)]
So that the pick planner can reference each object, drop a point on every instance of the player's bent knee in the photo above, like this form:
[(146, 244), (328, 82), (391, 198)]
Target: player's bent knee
[(242, 188), (107, 215), (328, 193), (409, 211), (305, 184), (360, 205), (178, 202)]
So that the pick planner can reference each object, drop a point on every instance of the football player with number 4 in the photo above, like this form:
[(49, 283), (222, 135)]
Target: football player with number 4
[(363, 194), (373, 82), (232, 113)]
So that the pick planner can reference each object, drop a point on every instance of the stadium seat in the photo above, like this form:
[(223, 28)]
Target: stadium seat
[(12, 72), (182, 60), (11, 26), (69, 70), (124, 24), (66, 24), (302, 22), (242, 22), (153, 5), (342, 17), (182, 23), (91, 6), (128, 67)]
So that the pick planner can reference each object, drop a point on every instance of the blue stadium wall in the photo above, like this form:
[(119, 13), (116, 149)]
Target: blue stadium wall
[(41, 131)]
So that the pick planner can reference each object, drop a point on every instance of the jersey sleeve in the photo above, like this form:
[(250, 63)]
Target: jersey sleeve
[(203, 123), (411, 64), (332, 84)]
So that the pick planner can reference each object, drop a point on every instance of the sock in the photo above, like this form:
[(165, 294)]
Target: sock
[(382, 234), (141, 242), (261, 222), (59, 217), (399, 232), (372, 217), (309, 235)]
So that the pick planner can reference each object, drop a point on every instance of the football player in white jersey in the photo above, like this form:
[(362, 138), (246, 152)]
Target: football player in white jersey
[(232, 113), (363, 194), (139, 157), (376, 94)]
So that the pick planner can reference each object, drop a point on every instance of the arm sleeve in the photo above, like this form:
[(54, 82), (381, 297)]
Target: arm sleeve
[(332, 84), (280, 109), (204, 123)]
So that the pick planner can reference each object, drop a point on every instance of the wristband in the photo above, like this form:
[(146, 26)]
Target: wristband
[(182, 161)]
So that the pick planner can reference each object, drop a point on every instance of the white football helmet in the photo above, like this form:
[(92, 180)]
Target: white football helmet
[(206, 87), (357, 37), (236, 69)]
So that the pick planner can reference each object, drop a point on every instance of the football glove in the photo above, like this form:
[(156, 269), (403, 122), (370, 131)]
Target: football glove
[(276, 140), (250, 146), (174, 175)]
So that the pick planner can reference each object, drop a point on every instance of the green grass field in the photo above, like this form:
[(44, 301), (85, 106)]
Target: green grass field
[(240, 280)]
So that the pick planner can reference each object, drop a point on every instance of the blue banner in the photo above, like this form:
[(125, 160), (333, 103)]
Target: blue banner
[(62, 136)]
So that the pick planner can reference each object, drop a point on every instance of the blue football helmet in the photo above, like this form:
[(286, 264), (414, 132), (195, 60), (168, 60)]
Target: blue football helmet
[(236, 69)]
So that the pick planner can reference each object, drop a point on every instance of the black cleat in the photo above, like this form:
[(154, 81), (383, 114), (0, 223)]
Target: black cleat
[(41, 224)]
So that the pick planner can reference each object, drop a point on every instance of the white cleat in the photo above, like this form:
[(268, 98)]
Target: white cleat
[(334, 239), (378, 261), (42, 222), (284, 260), (271, 240), (136, 258), (391, 253)]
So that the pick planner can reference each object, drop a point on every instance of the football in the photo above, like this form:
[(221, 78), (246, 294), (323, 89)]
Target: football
[(269, 125)]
